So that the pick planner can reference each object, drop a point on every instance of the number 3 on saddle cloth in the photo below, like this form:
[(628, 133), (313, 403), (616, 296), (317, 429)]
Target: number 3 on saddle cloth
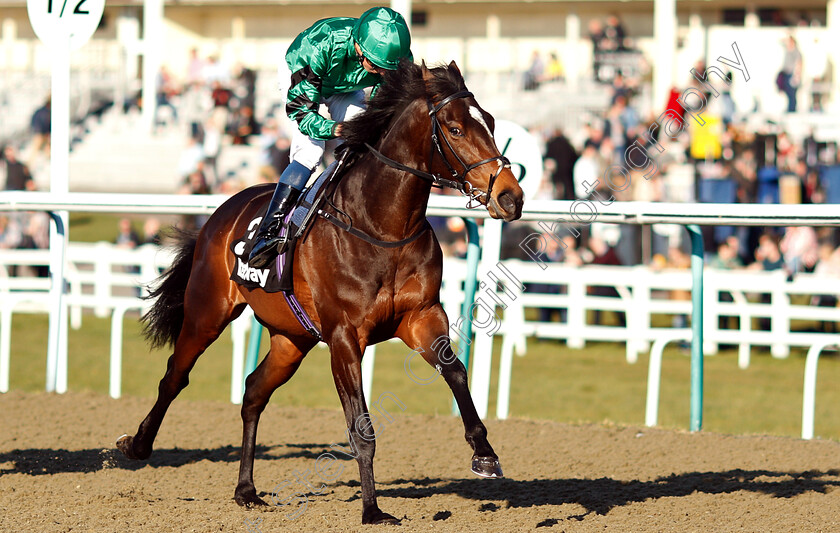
[(278, 277)]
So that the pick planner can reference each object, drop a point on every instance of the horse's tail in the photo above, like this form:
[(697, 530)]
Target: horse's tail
[(162, 322)]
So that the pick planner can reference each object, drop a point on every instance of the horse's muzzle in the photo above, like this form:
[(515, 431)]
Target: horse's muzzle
[(507, 206)]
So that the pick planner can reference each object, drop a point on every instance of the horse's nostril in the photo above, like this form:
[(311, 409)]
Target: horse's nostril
[(507, 201)]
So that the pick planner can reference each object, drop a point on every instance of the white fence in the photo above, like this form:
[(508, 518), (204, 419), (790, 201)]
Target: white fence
[(107, 281), (447, 206)]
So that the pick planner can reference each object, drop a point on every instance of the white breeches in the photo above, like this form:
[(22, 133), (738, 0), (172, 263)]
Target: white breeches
[(342, 107)]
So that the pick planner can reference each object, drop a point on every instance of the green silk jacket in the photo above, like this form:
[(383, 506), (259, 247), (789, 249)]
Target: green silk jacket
[(323, 62)]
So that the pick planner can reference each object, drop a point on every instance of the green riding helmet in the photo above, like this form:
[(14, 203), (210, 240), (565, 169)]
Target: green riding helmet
[(383, 36)]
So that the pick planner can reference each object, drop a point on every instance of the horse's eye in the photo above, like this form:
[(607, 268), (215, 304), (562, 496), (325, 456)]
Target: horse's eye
[(455, 132)]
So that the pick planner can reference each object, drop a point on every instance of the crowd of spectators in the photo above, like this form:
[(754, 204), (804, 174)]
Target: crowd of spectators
[(212, 103), (216, 106), (20, 230), (724, 162)]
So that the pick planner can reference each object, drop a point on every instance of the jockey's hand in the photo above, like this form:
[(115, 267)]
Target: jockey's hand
[(338, 129)]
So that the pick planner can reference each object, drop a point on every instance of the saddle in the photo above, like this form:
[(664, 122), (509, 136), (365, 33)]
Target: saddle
[(278, 276)]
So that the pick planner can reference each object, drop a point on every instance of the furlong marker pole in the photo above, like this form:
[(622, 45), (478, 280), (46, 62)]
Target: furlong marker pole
[(59, 184), (696, 416)]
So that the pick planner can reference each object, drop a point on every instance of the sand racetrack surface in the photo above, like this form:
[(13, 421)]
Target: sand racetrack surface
[(60, 472)]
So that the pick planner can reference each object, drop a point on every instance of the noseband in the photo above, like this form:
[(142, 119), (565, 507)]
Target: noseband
[(476, 197)]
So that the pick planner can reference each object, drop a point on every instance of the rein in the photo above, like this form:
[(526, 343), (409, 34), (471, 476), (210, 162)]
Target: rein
[(460, 182), (348, 226)]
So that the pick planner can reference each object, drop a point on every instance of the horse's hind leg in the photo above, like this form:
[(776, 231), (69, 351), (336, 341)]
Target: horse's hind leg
[(425, 331), (277, 368), (205, 317)]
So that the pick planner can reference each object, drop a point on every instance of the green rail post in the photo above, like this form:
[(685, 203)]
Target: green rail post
[(470, 281), (696, 327), (253, 352)]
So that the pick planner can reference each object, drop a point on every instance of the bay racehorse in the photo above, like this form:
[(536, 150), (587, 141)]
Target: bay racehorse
[(422, 124)]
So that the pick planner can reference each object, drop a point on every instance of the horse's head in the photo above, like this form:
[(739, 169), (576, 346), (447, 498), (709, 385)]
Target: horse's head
[(449, 134), (463, 145)]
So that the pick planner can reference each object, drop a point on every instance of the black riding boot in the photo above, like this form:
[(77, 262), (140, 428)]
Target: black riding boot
[(269, 243)]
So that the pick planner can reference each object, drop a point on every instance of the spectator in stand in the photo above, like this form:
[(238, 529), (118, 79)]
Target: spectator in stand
[(596, 35), (215, 71), (727, 259), (790, 77), (128, 239), (151, 231), (195, 183), (545, 191), (553, 254), (799, 249), (5, 234), (601, 253), (554, 71), (41, 123), (614, 129), (21, 227), (641, 188), (614, 34), (211, 147), (192, 158), (246, 87), (126, 236), (587, 169), (629, 117), (727, 256), (559, 149), (620, 89), (244, 126), (535, 72), (195, 70), (828, 266), (700, 68), (744, 172), (609, 156), (35, 236), (767, 255), (787, 153), (812, 190), (164, 89), (13, 173), (194, 98), (221, 104)]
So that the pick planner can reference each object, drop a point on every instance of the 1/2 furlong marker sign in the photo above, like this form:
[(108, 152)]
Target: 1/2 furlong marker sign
[(57, 21)]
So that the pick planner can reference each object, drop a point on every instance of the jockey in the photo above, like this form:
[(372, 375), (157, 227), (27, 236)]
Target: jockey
[(332, 62)]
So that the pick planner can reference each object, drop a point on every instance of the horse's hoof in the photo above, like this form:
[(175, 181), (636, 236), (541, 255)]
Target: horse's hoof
[(486, 467), (249, 499), (377, 517), (125, 444)]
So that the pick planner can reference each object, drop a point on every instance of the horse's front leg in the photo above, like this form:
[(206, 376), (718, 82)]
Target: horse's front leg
[(347, 373), (426, 332)]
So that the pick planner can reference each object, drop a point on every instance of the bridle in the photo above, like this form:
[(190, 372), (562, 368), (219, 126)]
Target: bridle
[(477, 197)]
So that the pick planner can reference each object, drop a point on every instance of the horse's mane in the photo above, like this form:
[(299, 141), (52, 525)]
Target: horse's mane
[(399, 88)]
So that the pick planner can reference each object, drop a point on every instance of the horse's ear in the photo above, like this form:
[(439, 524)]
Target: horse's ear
[(427, 74), (453, 66)]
